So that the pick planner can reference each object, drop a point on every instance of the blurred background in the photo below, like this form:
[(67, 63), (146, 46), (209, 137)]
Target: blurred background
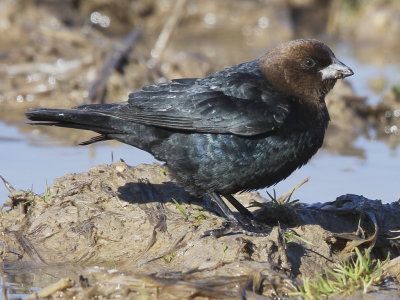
[(62, 53)]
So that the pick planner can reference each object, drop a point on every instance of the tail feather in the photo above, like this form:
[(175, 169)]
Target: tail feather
[(72, 118), (95, 139), (104, 120)]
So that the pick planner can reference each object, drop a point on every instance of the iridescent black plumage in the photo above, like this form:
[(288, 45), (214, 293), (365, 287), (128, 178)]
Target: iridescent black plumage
[(243, 128)]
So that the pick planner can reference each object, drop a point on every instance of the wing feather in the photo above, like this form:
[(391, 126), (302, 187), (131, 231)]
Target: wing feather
[(237, 100)]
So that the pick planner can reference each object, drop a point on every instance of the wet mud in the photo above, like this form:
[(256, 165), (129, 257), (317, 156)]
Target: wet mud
[(137, 221)]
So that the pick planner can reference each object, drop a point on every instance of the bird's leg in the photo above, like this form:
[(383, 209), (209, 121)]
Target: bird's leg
[(227, 213), (243, 210), (248, 226)]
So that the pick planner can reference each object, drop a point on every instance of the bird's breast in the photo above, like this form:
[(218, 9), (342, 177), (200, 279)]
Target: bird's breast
[(227, 163)]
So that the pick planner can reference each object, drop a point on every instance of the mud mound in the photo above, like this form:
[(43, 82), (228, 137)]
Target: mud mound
[(150, 230)]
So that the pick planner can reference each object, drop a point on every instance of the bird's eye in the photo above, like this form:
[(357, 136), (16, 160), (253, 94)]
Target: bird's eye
[(308, 62)]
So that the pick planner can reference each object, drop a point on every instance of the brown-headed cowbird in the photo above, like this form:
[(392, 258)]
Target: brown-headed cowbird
[(244, 128)]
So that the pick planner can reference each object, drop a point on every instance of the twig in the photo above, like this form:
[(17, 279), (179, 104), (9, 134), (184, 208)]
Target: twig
[(116, 60), (167, 30), (178, 244), (285, 264), (60, 285), (283, 198), (54, 69), (8, 185), (27, 246)]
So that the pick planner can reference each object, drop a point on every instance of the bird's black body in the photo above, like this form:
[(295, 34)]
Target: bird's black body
[(235, 130)]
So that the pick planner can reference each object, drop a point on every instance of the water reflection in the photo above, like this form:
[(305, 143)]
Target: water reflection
[(26, 279), (18, 284)]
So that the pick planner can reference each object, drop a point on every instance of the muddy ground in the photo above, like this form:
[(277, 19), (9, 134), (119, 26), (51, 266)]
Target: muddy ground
[(116, 231), (145, 233)]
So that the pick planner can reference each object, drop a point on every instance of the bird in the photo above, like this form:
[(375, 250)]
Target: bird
[(243, 128)]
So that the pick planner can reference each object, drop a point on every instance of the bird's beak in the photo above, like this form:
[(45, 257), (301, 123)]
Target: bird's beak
[(336, 70)]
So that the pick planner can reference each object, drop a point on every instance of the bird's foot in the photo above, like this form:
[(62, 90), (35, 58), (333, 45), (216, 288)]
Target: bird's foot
[(253, 228)]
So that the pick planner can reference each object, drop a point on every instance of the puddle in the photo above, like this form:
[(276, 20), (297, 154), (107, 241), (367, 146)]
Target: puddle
[(389, 74), (23, 281), (18, 284)]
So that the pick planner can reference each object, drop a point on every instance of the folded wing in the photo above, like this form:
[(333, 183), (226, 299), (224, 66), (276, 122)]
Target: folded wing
[(233, 101)]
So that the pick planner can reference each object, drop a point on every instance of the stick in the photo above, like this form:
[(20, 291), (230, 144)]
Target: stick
[(167, 30), (283, 198), (97, 90), (8, 185), (60, 285)]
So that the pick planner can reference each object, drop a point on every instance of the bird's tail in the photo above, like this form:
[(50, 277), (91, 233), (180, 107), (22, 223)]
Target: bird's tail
[(72, 118), (75, 118), (109, 120)]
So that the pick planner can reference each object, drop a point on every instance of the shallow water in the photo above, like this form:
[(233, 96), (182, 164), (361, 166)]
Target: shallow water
[(18, 285), (364, 73)]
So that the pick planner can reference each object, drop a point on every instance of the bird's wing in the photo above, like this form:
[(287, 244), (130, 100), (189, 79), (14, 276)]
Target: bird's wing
[(236, 102)]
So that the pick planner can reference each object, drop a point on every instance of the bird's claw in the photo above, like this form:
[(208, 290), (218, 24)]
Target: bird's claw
[(253, 229)]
